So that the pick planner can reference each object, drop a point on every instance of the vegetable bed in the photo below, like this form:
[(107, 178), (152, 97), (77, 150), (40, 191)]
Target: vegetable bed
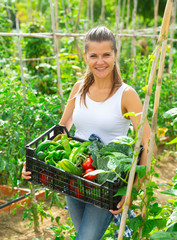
[(53, 171)]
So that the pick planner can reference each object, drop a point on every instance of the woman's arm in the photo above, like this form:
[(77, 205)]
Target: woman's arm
[(131, 103), (66, 118)]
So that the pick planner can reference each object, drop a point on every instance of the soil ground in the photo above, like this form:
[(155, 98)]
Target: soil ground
[(14, 228)]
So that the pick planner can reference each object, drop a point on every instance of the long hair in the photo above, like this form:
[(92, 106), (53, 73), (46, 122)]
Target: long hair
[(99, 34)]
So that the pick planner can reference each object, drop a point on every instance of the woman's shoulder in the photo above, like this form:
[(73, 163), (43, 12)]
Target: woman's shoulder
[(127, 88), (129, 93), (77, 86)]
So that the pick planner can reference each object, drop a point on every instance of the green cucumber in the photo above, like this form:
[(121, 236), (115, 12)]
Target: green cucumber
[(68, 166)]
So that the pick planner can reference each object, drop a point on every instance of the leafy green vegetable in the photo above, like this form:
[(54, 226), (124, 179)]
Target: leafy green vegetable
[(114, 159)]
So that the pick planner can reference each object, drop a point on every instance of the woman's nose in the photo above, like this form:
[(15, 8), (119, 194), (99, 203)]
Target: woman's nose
[(100, 60)]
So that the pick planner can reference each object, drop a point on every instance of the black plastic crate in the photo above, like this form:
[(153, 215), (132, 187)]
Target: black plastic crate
[(101, 195)]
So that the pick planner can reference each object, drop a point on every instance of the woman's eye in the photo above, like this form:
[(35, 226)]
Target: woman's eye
[(92, 56), (107, 54)]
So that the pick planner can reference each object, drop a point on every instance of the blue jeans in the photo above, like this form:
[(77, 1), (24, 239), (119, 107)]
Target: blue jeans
[(89, 221)]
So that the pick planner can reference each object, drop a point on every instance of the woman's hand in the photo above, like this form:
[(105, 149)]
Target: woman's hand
[(119, 206), (25, 174)]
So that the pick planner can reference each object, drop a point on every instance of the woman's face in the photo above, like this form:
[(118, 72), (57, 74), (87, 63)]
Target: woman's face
[(100, 58)]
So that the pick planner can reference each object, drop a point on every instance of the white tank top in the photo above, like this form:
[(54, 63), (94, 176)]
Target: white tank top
[(101, 118)]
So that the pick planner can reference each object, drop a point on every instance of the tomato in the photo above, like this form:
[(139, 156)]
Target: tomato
[(87, 163), (45, 177), (74, 187), (90, 177)]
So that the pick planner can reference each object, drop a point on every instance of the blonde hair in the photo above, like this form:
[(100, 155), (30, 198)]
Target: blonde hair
[(99, 34)]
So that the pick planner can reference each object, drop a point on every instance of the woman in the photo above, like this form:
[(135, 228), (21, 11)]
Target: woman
[(96, 106)]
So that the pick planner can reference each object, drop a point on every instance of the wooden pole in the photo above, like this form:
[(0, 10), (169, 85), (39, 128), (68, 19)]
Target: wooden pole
[(163, 34), (20, 57), (103, 11), (134, 39), (88, 12), (64, 14), (155, 111), (123, 12), (92, 3), (56, 54), (118, 39), (128, 13), (56, 15), (156, 7), (75, 30), (173, 19)]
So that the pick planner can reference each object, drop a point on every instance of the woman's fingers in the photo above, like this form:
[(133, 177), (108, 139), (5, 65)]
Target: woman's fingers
[(25, 174), (119, 206)]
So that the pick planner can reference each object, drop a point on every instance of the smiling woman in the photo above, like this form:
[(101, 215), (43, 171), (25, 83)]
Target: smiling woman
[(96, 106)]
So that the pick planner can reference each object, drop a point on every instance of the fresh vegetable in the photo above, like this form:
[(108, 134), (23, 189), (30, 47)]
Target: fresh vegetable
[(114, 159), (45, 177), (68, 166), (66, 145), (80, 150), (44, 145), (41, 155), (74, 143), (90, 177), (87, 163)]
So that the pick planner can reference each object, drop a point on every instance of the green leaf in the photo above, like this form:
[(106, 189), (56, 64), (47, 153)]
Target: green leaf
[(171, 192), (124, 140), (141, 170), (148, 227), (162, 236), (123, 190), (172, 228), (135, 222), (175, 120), (155, 209), (160, 223), (170, 113), (173, 141), (129, 114)]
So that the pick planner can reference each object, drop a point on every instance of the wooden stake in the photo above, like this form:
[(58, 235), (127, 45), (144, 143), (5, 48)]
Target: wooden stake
[(118, 39), (20, 57), (163, 33), (64, 13), (172, 35), (92, 3), (103, 11), (56, 54), (155, 111), (76, 28), (128, 13), (134, 38), (156, 7)]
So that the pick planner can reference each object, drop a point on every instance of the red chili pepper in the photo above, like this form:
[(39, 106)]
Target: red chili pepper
[(87, 163), (45, 177)]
